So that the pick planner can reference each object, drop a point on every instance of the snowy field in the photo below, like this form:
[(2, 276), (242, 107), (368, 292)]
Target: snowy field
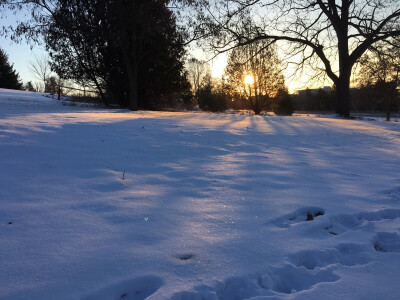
[(112, 204)]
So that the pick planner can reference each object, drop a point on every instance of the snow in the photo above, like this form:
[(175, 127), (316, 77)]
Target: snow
[(111, 204)]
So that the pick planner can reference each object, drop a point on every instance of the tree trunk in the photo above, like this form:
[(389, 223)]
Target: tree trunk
[(102, 96), (132, 71), (388, 115), (133, 86), (387, 107), (343, 95), (133, 90), (345, 63)]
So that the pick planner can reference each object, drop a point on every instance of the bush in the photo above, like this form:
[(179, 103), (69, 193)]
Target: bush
[(212, 100), (283, 105)]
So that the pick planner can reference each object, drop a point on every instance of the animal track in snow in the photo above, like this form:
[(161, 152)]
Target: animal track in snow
[(387, 242), (385, 214), (184, 256), (308, 268), (344, 254), (134, 289), (340, 223), (291, 279), (300, 215), (287, 279)]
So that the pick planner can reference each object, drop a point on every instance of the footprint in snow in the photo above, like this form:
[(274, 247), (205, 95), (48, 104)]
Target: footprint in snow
[(288, 279), (184, 256), (299, 216), (387, 242), (385, 214), (135, 289), (345, 254), (340, 223)]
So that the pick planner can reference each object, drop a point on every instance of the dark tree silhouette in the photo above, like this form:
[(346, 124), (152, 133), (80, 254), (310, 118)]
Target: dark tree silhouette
[(150, 44), (9, 78), (124, 48), (76, 40), (29, 87)]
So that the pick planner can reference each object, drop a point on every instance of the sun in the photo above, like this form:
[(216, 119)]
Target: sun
[(249, 79)]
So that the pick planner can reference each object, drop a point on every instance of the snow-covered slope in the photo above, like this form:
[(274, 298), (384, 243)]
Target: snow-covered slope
[(112, 204)]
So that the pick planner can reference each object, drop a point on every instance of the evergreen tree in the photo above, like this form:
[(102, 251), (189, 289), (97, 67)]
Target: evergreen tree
[(29, 87), (9, 78), (283, 104), (51, 85), (212, 95), (130, 50)]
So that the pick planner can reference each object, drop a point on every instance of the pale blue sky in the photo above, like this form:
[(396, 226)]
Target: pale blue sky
[(18, 54)]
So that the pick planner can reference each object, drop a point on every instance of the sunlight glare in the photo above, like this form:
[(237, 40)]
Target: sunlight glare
[(218, 65), (249, 79)]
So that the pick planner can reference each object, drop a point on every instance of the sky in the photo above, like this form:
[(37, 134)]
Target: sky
[(19, 54)]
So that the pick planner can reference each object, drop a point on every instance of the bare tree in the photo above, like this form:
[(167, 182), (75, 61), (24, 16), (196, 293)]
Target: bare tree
[(41, 69), (327, 35), (197, 71), (254, 73)]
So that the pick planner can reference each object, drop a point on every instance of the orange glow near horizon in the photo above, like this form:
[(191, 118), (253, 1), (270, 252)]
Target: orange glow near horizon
[(218, 65)]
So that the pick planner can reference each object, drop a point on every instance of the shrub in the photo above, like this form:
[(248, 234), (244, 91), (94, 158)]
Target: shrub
[(212, 99), (283, 104)]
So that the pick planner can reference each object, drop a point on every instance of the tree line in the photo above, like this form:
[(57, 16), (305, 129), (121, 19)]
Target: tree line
[(328, 37), (253, 80), (133, 52)]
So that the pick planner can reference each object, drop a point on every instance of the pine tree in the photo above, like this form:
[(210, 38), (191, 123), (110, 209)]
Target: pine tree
[(9, 78), (29, 87), (130, 50)]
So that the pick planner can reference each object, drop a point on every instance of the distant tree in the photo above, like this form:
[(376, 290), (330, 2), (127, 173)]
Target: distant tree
[(198, 71), (212, 96), (303, 100), (380, 76), (29, 87), (282, 103), (40, 69), (52, 85), (323, 100), (9, 78), (254, 73)]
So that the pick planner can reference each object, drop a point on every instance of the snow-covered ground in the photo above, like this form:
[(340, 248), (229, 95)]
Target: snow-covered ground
[(112, 204)]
